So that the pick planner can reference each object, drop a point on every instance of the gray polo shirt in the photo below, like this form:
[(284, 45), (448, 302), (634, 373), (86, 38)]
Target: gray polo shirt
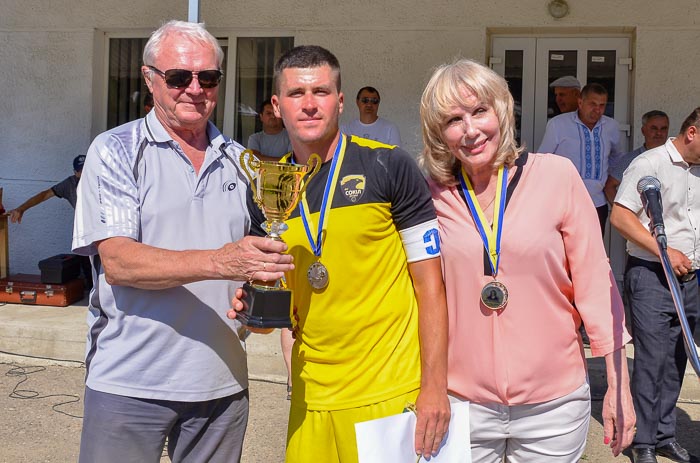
[(172, 344)]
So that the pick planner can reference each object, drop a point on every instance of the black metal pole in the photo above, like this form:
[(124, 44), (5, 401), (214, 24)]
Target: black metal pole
[(690, 348)]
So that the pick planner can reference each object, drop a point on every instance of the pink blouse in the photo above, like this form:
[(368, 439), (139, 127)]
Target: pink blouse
[(552, 254)]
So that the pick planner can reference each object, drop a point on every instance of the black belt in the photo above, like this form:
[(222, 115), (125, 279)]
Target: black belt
[(658, 268)]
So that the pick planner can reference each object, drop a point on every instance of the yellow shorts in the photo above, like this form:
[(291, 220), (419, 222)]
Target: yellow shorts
[(315, 436)]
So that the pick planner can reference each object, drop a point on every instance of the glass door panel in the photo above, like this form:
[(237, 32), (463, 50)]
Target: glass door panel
[(600, 67), (514, 59), (561, 63), (514, 77)]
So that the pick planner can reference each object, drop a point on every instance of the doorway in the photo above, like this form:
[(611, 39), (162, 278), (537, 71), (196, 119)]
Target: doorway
[(530, 64)]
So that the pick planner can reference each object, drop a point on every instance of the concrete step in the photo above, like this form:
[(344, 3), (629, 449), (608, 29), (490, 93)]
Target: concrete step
[(60, 333)]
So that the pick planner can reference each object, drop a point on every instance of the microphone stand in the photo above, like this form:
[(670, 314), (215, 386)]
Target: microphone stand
[(690, 348)]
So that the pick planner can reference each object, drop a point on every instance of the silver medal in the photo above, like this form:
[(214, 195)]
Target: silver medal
[(494, 295), (317, 274)]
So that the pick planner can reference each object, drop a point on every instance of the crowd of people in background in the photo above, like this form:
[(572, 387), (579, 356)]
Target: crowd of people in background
[(435, 284)]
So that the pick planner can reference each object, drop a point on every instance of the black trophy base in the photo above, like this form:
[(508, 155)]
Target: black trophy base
[(266, 307)]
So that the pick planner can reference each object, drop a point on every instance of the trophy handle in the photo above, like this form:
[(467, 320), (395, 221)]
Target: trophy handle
[(249, 163), (316, 160)]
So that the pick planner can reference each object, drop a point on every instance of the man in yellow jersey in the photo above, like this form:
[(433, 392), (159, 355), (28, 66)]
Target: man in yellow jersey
[(370, 312)]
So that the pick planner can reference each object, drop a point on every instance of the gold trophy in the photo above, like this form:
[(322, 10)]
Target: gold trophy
[(277, 189)]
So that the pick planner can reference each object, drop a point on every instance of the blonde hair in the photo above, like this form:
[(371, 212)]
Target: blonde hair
[(442, 94)]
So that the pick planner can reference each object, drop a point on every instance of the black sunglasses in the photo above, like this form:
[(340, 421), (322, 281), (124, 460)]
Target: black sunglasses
[(366, 100), (181, 78)]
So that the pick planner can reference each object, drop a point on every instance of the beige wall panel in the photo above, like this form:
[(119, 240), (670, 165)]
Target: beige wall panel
[(666, 75)]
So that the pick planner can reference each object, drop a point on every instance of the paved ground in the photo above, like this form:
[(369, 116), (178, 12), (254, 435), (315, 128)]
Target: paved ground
[(41, 405), (41, 400), (41, 409)]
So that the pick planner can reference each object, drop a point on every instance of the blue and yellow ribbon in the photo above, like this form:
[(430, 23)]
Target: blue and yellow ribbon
[(490, 235)]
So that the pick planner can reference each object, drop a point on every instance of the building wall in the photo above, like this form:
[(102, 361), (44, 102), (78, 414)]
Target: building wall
[(53, 63)]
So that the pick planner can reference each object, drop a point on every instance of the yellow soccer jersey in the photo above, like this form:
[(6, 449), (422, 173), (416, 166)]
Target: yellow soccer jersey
[(357, 339)]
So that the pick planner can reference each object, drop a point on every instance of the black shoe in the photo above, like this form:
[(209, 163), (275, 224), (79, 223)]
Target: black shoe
[(674, 451), (643, 455)]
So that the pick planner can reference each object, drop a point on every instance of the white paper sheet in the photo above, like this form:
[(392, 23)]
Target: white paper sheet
[(390, 439)]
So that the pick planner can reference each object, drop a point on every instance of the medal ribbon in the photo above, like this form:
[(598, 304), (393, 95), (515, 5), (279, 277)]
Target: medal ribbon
[(490, 235), (328, 193)]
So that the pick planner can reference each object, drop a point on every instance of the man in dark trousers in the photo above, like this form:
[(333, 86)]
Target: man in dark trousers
[(659, 354)]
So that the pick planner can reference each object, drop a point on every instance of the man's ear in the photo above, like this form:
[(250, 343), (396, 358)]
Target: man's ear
[(147, 74), (276, 106)]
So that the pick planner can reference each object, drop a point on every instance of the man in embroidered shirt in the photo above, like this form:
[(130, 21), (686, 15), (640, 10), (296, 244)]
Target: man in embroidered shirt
[(590, 140)]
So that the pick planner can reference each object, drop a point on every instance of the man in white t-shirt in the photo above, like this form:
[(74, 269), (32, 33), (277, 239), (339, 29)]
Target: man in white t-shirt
[(370, 125)]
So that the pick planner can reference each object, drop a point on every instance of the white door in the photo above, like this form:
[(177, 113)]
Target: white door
[(530, 64)]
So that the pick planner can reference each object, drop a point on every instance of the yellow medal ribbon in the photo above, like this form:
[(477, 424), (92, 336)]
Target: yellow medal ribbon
[(328, 194), (490, 235)]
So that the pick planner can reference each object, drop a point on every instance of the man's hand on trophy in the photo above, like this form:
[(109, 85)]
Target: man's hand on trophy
[(252, 258), (238, 304)]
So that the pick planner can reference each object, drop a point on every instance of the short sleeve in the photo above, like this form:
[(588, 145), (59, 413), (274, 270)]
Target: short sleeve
[(411, 203), (627, 194), (108, 198), (61, 189)]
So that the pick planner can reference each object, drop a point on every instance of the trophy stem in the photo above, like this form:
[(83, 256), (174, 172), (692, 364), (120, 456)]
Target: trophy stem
[(275, 228)]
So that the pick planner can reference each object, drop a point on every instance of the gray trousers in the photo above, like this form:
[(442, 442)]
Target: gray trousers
[(118, 429), (659, 354)]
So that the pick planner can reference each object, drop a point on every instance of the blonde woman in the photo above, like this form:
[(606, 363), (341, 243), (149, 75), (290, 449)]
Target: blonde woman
[(523, 264)]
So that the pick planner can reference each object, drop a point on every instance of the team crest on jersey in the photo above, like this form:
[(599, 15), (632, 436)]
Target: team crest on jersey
[(353, 187)]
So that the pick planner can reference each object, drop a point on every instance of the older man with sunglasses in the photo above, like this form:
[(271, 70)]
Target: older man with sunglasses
[(162, 214), (370, 125)]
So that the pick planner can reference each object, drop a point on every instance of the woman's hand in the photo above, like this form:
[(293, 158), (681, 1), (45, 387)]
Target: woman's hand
[(618, 410), (433, 420)]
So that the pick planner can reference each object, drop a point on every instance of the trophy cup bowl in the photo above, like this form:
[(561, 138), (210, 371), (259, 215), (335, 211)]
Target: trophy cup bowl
[(277, 188)]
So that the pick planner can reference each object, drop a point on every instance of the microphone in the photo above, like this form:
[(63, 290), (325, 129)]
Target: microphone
[(649, 189)]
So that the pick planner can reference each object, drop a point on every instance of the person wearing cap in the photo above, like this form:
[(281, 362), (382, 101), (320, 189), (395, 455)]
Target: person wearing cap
[(66, 189), (590, 140), (567, 91)]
